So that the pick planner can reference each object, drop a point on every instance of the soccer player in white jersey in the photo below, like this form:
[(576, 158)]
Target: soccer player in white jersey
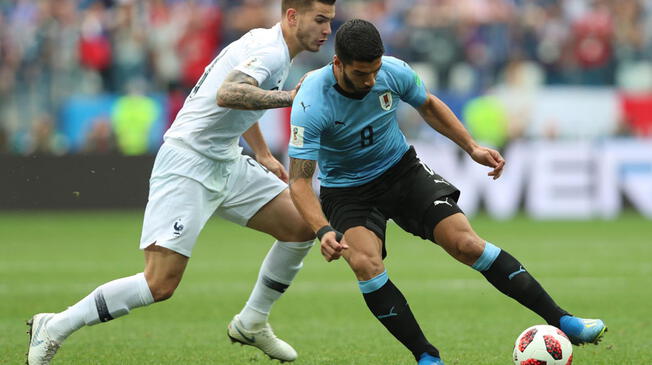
[(200, 170)]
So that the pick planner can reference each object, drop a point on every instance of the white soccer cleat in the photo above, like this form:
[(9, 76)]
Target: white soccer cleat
[(42, 347), (263, 338)]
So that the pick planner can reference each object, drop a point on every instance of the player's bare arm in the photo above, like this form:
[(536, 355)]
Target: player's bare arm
[(301, 173), (256, 141), (439, 116), (241, 91), (304, 198)]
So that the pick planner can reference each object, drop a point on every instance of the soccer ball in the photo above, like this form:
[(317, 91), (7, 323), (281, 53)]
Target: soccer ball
[(543, 345)]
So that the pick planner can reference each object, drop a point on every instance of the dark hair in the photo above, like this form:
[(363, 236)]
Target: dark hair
[(302, 5), (358, 40)]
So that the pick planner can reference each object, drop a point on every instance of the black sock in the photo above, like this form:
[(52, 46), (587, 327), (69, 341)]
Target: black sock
[(390, 307), (509, 276)]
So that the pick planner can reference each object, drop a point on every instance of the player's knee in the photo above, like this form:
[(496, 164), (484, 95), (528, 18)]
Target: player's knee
[(162, 294), (366, 267), (162, 291), (467, 248)]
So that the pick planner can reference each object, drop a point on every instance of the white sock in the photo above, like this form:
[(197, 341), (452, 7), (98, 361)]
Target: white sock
[(111, 300), (281, 265)]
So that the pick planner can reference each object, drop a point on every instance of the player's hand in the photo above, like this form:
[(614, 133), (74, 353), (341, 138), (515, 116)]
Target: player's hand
[(294, 91), (331, 248), (489, 157), (273, 165)]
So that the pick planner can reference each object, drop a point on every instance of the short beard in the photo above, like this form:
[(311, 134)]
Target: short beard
[(349, 84)]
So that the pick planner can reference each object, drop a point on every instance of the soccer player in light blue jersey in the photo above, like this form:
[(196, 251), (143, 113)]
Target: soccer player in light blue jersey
[(344, 118)]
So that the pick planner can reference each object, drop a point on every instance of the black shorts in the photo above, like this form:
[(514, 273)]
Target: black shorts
[(409, 192)]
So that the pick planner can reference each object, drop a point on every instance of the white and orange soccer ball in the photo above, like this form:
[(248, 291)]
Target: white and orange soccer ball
[(543, 345)]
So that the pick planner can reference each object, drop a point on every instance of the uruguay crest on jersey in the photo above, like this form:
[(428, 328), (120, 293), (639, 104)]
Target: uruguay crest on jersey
[(386, 100)]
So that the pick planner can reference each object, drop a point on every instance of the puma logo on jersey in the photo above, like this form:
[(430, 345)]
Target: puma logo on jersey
[(445, 201), (304, 106)]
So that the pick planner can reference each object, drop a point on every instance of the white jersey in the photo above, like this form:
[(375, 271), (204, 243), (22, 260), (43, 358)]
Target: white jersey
[(214, 131)]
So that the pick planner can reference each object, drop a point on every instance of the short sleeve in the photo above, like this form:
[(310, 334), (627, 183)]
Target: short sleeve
[(261, 64), (306, 125), (410, 87)]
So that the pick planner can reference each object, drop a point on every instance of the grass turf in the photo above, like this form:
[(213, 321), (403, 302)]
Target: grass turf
[(50, 260)]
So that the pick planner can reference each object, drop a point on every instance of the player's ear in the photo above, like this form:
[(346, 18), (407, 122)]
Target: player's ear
[(292, 16), (336, 61)]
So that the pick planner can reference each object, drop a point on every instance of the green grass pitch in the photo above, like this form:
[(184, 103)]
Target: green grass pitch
[(50, 260)]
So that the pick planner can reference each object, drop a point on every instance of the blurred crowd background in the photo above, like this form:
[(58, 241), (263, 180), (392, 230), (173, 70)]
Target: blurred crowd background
[(109, 76)]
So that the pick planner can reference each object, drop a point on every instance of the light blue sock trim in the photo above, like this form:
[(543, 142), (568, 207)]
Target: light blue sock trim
[(373, 284), (487, 258)]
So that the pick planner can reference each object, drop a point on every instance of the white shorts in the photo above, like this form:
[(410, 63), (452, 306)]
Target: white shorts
[(186, 188)]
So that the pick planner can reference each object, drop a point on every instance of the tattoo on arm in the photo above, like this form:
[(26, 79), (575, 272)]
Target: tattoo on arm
[(240, 78), (301, 169), (241, 91)]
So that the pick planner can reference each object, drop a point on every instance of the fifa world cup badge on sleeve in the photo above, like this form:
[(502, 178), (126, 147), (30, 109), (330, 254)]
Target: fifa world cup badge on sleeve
[(386, 100), (296, 139)]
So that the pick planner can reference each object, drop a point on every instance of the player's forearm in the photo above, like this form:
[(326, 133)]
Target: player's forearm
[(304, 198), (439, 116), (256, 141), (307, 204), (248, 97)]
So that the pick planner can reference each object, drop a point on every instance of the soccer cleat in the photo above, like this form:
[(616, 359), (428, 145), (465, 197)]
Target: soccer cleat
[(42, 347), (427, 359), (264, 339), (581, 331)]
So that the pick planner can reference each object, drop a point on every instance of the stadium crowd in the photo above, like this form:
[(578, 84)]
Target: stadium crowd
[(58, 58)]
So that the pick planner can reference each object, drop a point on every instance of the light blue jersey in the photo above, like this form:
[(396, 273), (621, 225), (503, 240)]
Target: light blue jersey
[(353, 140)]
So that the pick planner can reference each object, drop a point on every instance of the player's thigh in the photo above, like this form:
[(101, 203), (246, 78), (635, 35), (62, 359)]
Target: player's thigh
[(281, 219), (164, 269), (443, 222), (364, 254), (422, 200), (258, 199), (176, 212), (163, 263), (347, 208), (455, 235)]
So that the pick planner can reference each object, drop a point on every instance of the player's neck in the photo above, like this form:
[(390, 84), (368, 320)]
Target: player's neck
[(294, 47)]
